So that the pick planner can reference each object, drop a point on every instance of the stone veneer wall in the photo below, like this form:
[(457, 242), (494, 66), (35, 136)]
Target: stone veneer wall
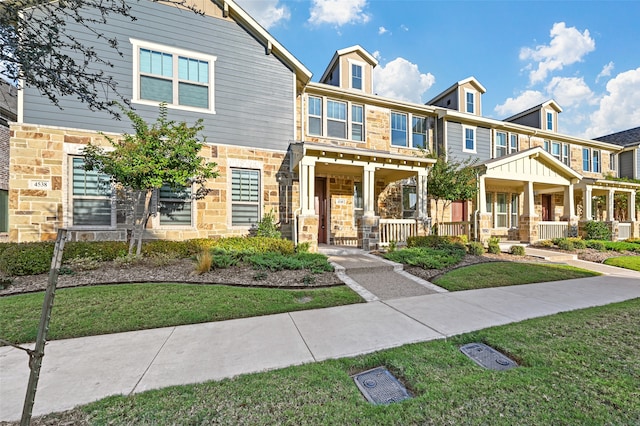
[(4, 158), (343, 223), (41, 154)]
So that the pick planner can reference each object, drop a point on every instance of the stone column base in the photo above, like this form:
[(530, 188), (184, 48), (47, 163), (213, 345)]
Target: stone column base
[(528, 226), (369, 232), (308, 231)]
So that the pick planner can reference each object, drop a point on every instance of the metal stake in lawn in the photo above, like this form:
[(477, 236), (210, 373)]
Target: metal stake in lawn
[(36, 355)]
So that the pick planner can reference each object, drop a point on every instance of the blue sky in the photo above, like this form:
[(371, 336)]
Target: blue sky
[(583, 54)]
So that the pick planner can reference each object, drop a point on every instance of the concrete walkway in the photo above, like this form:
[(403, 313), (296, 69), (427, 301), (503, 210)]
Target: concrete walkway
[(78, 371)]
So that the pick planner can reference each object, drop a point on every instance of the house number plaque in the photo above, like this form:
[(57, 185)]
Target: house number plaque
[(39, 184)]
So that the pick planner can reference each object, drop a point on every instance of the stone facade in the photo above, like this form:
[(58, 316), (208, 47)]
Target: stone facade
[(4, 158)]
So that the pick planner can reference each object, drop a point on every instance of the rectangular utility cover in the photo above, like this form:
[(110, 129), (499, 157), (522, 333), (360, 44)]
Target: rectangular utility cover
[(379, 386), (487, 357)]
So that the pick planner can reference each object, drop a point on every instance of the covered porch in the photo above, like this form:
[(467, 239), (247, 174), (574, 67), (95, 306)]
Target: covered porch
[(345, 200)]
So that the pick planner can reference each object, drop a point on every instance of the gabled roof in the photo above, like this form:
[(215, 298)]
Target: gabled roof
[(231, 8), (623, 138), (553, 104), (455, 86), (357, 48), (536, 152)]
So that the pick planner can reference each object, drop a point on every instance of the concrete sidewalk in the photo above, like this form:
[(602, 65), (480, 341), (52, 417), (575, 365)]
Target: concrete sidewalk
[(78, 371)]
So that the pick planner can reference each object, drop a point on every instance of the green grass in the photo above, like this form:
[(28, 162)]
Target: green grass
[(577, 368), (95, 310), (628, 262), (498, 274)]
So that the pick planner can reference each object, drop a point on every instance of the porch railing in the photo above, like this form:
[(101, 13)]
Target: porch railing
[(624, 231), (397, 230), (454, 229), (551, 230)]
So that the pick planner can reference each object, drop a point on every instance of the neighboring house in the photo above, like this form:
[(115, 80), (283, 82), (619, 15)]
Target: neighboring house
[(337, 163), (629, 157), (8, 107)]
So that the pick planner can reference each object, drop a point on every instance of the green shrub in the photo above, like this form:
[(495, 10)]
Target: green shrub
[(4, 246), (427, 257), (434, 241), (578, 243), (268, 227), (494, 245), (276, 262), (544, 243), (26, 259), (83, 264), (223, 261), (303, 247), (565, 244), (256, 244), (516, 250), (177, 249), (99, 250), (476, 248), (597, 231), (596, 245)]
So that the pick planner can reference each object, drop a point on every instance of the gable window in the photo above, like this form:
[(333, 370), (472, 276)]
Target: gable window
[(470, 102), (357, 122), (174, 206), (336, 119), (315, 115), (419, 132), (356, 76), (91, 196), (245, 197), (398, 129), (501, 144), (469, 139), (181, 78), (549, 121)]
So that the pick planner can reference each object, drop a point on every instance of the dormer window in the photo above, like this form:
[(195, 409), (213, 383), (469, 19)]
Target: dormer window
[(356, 76), (549, 121), (470, 102)]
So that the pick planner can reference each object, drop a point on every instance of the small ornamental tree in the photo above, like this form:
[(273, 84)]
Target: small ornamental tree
[(164, 153), (451, 180)]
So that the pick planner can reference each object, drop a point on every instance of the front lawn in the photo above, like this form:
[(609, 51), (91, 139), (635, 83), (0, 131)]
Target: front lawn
[(498, 274), (628, 262), (577, 368), (87, 311)]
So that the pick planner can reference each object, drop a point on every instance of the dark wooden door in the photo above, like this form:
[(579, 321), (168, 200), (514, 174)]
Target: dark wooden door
[(459, 211), (547, 216), (321, 209)]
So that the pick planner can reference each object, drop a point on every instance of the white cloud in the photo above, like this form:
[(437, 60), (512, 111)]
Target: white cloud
[(377, 55), (404, 27), (569, 91), (567, 46), (338, 12), (382, 30), (606, 71), (620, 108), (268, 13), (400, 79), (522, 102)]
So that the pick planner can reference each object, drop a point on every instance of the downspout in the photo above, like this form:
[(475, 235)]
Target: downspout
[(297, 211), (476, 212)]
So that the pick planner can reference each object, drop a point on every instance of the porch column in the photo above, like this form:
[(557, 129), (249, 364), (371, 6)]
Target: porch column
[(483, 231), (368, 190), (632, 206), (528, 225), (307, 186), (421, 190), (482, 194), (610, 198), (587, 203), (529, 200), (569, 204)]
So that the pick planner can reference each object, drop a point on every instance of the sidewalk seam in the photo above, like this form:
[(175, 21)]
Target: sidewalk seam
[(144, 373), (302, 337), (414, 319)]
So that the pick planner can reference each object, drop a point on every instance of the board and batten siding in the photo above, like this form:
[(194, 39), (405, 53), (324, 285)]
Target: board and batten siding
[(455, 142), (254, 92)]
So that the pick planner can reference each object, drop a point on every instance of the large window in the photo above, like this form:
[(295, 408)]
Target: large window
[(174, 206), (591, 160), (502, 210), (315, 115), (469, 139), (357, 123), (336, 119), (398, 129), (245, 197), (506, 211), (91, 192), (356, 76), (560, 151), (181, 78)]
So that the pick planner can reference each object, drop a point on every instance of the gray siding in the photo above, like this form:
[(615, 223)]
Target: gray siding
[(254, 92), (449, 101), (531, 120), (455, 143), (625, 164)]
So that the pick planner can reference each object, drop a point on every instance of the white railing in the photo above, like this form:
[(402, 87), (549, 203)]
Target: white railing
[(551, 230), (397, 230), (624, 231), (454, 229)]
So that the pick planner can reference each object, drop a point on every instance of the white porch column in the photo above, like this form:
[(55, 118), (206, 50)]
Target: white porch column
[(569, 203), (421, 190), (587, 214), (610, 198), (632, 206), (482, 194), (368, 190), (307, 186), (529, 200)]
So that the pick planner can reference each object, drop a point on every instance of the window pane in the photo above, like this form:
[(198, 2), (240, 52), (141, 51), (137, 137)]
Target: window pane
[(596, 161), (91, 212), (356, 76), (549, 121), (555, 150), (193, 95), (203, 72), (337, 129), (244, 214), (145, 60), (514, 143), (358, 202), (183, 68), (469, 140), (470, 102), (489, 202), (419, 135), (175, 212), (356, 132), (156, 89), (245, 185), (585, 159), (501, 144), (398, 129), (356, 122), (315, 126), (89, 182), (356, 114), (409, 199), (315, 106), (514, 210), (336, 110)]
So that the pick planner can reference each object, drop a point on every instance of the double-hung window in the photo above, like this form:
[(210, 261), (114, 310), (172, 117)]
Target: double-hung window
[(419, 132), (398, 129), (595, 162), (91, 192), (513, 143), (469, 139), (559, 151), (183, 79), (315, 115), (357, 123), (549, 121), (514, 210), (470, 100), (501, 144), (174, 206), (245, 197), (356, 76), (501, 210), (591, 160), (336, 119), (612, 161), (586, 160)]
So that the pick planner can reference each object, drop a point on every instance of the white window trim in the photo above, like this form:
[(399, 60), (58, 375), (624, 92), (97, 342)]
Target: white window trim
[(321, 116), (507, 143), (408, 131), (324, 119), (546, 120), (233, 163), (464, 139), (337, 120), (517, 148), (350, 122), (140, 44), (362, 65), (475, 100)]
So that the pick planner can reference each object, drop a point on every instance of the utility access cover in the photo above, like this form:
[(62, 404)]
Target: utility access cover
[(379, 386), (487, 357)]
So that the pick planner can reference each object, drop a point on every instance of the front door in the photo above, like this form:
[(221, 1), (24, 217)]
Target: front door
[(459, 211), (321, 209), (546, 208)]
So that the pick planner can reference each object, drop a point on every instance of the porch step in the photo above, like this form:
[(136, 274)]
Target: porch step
[(354, 263), (339, 250), (550, 255)]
